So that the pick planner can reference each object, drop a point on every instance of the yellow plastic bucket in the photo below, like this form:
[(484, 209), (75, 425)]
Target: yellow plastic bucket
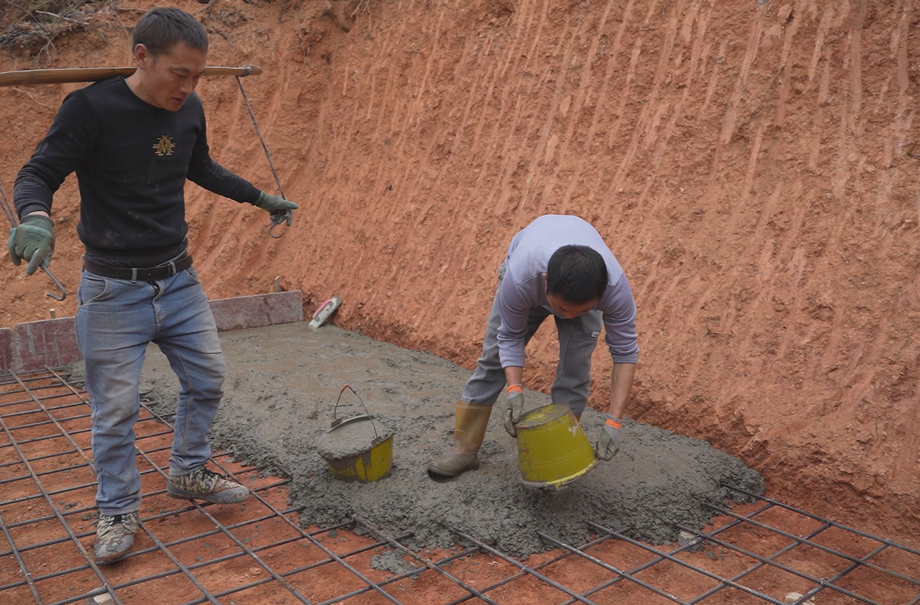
[(553, 450), (357, 448)]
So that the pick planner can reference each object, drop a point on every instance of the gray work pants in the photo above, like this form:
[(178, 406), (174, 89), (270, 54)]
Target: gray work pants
[(577, 341)]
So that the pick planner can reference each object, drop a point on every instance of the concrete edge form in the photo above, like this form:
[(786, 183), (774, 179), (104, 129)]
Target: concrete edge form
[(257, 311), (35, 345), (6, 350)]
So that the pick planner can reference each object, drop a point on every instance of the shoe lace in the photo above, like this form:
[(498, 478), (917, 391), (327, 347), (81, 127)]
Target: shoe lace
[(108, 522), (207, 478)]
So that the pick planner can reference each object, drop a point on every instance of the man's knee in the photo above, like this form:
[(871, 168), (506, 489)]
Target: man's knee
[(211, 378)]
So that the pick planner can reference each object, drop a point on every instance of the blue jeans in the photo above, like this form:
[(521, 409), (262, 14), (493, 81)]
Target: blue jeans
[(116, 320)]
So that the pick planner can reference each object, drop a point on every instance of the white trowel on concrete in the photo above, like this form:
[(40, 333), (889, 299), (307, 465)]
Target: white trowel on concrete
[(325, 310)]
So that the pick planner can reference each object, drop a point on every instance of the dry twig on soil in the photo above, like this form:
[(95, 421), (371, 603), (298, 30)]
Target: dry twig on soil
[(33, 25)]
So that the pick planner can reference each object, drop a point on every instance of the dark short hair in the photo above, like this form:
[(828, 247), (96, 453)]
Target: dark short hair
[(161, 28), (577, 274)]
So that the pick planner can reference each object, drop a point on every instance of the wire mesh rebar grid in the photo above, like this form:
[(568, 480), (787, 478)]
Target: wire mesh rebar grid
[(258, 552)]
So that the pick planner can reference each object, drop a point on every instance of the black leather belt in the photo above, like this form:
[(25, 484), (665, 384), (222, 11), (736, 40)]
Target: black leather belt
[(140, 274)]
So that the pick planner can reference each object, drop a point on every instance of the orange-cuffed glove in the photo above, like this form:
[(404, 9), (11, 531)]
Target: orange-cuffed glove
[(609, 443), (513, 408)]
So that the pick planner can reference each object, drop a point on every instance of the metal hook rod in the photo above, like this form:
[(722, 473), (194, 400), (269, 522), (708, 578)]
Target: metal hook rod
[(286, 216), (11, 217), (272, 228), (60, 286)]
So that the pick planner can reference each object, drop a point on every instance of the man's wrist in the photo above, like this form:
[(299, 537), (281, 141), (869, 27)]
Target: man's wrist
[(32, 206), (41, 220)]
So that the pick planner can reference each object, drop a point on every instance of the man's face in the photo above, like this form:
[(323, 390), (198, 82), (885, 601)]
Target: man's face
[(566, 309), (166, 80)]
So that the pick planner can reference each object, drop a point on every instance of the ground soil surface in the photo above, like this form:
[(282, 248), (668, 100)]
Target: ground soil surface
[(752, 165)]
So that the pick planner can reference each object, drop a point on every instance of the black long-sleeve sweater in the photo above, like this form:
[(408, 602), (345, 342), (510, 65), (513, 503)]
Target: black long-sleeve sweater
[(132, 160)]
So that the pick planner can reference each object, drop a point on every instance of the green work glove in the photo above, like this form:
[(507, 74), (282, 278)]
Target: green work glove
[(33, 241), (280, 209), (609, 443), (513, 408)]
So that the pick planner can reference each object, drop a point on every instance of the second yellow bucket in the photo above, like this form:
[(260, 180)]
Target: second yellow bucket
[(357, 448), (553, 450)]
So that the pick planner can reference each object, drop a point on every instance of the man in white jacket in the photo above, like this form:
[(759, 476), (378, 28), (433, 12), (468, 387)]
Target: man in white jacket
[(558, 265)]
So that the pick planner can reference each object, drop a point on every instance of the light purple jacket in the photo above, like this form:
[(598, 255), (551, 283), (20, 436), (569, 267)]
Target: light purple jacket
[(523, 287)]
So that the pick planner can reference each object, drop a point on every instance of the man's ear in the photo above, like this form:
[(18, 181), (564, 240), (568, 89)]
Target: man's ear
[(141, 55)]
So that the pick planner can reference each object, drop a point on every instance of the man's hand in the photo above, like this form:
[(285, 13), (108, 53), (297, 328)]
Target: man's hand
[(609, 443), (280, 209), (513, 408), (32, 241)]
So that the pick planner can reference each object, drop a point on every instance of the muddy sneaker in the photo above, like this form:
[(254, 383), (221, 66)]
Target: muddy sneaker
[(115, 536), (206, 485)]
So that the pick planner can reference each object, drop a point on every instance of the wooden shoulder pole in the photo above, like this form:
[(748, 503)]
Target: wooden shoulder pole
[(91, 74)]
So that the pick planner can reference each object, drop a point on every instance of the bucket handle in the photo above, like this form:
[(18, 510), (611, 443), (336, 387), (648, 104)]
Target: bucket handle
[(336, 422)]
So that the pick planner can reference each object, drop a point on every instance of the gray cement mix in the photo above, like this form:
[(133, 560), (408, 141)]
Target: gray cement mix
[(281, 387)]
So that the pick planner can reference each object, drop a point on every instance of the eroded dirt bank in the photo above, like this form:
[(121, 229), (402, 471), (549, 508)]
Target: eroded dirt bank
[(751, 164), (281, 388)]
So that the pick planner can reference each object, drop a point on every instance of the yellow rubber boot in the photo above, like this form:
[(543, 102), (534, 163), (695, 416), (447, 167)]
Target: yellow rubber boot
[(470, 422)]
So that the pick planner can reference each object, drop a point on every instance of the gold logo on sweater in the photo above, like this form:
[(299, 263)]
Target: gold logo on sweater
[(164, 146)]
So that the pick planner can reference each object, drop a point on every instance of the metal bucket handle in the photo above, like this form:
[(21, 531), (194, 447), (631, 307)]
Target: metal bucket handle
[(337, 422)]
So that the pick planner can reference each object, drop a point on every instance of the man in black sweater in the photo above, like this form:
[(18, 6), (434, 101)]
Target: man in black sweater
[(133, 142)]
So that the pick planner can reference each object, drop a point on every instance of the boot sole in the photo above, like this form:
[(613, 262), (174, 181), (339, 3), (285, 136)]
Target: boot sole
[(434, 469), (225, 497)]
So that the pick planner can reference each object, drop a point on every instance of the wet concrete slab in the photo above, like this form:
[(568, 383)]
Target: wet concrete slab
[(281, 387)]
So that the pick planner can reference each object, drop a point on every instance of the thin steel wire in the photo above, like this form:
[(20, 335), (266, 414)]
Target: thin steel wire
[(840, 575), (268, 156), (830, 522), (303, 568), (652, 561), (711, 536), (622, 575), (821, 547), (426, 562), (407, 574), (768, 561), (695, 568), (56, 423), (151, 549), (486, 548), (22, 564)]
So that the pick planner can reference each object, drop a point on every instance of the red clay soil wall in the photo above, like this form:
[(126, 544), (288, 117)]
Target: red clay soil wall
[(754, 166)]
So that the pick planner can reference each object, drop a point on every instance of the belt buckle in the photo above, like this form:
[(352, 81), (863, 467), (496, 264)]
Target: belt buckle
[(163, 271)]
